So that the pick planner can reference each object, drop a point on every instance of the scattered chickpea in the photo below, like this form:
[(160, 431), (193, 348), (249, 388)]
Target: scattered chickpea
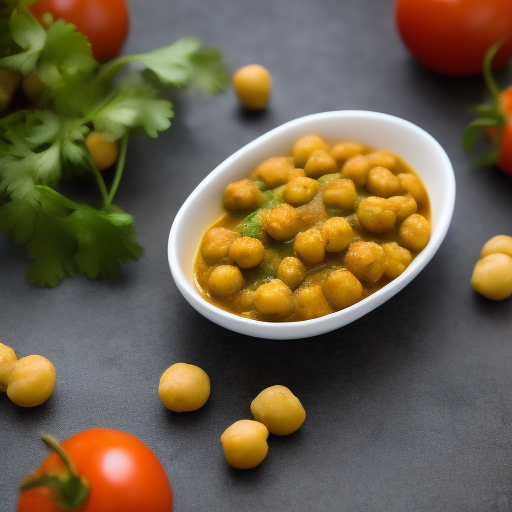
[(247, 252), (291, 271), (7, 361), (245, 443), (397, 259), (310, 245), (303, 148), (383, 183), (274, 298), (340, 193), (281, 222), (337, 234), (216, 243), (345, 150), (310, 302), (32, 381), (243, 195), (274, 171), (253, 86), (300, 191), (225, 280), (342, 289), (103, 151), (414, 232), (498, 244), (279, 410), (356, 168), (376, 214), (492, 276), (320, 163), (365, 260), (184, 387)]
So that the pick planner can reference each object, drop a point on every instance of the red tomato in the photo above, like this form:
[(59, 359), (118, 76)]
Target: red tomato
[(123, 473), (104, 22), (453, 36), (505, 157)]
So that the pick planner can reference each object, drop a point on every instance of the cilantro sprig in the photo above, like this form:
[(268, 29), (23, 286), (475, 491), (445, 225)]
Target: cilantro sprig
[(42, 143)]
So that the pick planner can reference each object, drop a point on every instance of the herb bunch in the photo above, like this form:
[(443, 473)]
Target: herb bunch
[(44, 141)]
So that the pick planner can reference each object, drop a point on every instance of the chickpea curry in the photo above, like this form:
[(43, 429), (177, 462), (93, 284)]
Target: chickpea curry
[(313, 232)]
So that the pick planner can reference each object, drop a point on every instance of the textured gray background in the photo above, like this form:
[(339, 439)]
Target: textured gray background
[(408, 409)]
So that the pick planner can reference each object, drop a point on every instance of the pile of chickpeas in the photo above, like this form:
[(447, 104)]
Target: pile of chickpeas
[(28, 381), (314, 232), (492, 275)]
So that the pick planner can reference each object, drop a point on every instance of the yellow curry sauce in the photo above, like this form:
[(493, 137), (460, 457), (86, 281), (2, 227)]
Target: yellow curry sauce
[(313, 232)]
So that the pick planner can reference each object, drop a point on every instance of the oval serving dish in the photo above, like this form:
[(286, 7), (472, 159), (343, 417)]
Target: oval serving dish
[(380, 131)]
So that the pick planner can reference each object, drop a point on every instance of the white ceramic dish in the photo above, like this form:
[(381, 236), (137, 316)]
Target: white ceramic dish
[(381, 131)]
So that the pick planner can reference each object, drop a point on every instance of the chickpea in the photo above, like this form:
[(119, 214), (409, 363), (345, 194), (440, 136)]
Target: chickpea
[(381, 158), (498, 244), (345, 150), (383, 183), (245, 444), (282, 222), (300, 191), (397, 259), (310, 245), (414, 232), (279, 410), (273, 298), (337, 233), (320, 163), (403, 206), (296, 173), (492, 276), (244, 300), (253, 86), (376, 214), (303, 148), (291, 271), (356, 168), (7, 361), (225, 280), (342, 289), (104, 152), (32, 381), (243, 195), (310, 302), (340, 193), (184, 387), (413, 185), (216, 243), (365, 260), (274, 171), (247, 252)]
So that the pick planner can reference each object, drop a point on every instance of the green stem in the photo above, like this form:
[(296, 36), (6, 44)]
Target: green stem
[(101, 183), (487, 71), (121, 159), (69, 491)]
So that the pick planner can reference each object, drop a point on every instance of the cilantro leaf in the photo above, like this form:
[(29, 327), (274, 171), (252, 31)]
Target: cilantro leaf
[(181, 64), (63, 237), (135, 106), (30, 36)]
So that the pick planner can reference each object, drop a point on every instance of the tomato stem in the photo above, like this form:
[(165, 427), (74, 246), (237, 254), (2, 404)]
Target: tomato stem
[(68, 491)]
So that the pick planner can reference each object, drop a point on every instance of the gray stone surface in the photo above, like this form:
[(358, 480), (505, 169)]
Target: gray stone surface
[(408, 409)]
